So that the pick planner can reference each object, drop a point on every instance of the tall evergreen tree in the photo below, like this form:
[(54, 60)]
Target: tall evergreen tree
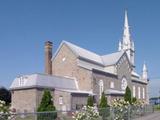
[(103, 101), (104, 107), (90, 101), (47, 105), (127, 95)]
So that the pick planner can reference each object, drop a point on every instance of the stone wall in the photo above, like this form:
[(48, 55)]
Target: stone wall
[(66, 100), (65, 64), (24, 100), (124, 70), (78, 100), (141, 85)]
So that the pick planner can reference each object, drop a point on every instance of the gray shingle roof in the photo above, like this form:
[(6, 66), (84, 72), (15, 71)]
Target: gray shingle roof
[(111, 59), (42, 80), (105, 60)]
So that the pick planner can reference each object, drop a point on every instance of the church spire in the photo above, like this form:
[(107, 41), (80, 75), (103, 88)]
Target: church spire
[(144, 72), (126, 33), (127, 44)]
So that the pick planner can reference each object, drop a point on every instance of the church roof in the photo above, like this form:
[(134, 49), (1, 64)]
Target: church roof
[(111, 58), (43, 81), (87, 55), (83, 53)]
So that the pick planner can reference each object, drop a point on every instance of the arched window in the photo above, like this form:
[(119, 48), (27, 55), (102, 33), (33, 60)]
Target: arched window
[(134, 91), (101, 87), (143, 94), (139, 92)]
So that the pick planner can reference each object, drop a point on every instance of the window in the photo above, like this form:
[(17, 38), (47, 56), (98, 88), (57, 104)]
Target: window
[(101, 87), (111, 84), (143, 94), (123, 83), (60, 100), (134, 91), (63, 59), (139, 93)]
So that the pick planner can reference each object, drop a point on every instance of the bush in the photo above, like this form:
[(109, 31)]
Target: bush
[(90, 101), (47, 105), (103, 101), (134, 100), (127, 95), (104, 110), (120, 108), (87, 113), (5, 95), (5, 113)]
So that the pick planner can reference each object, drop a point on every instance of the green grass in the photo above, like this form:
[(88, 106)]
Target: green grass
[(157, 107)]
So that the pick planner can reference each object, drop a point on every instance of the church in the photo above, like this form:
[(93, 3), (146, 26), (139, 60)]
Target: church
[(73, 73)]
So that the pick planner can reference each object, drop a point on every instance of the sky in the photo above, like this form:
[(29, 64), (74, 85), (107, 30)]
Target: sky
[(96, 25)]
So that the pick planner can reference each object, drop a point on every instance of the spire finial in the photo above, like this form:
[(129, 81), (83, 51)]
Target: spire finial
[(126, 19), (144, 67)]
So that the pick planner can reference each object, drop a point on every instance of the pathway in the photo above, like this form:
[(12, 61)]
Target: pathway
[(152, 116)]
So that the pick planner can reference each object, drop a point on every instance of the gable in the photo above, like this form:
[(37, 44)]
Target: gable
[(124, 59), (112, 59), (62, 49)]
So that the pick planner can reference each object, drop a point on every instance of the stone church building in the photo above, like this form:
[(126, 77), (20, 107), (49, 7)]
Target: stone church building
[(73, 73)]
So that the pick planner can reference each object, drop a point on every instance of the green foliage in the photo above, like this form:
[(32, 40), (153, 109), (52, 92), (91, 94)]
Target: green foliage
[(47, 105), (5, 95), (90, 101), (157, 107), (134, 100), (87, 113), (103, 101), (127, 96), (104, 109)]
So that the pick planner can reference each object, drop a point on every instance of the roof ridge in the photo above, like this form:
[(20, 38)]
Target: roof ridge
[(80, 47), (112, 53)]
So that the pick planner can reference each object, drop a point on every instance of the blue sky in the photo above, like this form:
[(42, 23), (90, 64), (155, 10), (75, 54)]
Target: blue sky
[(93, 24)]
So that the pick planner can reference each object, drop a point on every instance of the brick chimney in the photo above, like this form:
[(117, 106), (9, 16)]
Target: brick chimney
[(48, 57)]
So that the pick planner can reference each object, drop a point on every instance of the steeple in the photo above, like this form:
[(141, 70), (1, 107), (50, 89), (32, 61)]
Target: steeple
[(144, 72), (127, 44), (126, 33)]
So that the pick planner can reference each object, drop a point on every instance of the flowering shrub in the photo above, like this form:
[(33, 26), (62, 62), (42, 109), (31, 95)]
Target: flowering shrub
[(87, 113), (122, 107), (138, 103), (5, 112)]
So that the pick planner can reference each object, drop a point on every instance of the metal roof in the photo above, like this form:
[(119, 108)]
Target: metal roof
[(104, 60), (43, 80)]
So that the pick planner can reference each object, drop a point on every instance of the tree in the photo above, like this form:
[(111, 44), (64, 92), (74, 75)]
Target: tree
[(5, 95), (103, 101), (134, 99), (127, 95), (90, 101), (47, 105), (104, 107)]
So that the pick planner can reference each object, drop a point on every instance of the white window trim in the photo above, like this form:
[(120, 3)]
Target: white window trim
[(139, 92), (134, 91), (60, 100), (143, 93), (111, 84), (101, 87)]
